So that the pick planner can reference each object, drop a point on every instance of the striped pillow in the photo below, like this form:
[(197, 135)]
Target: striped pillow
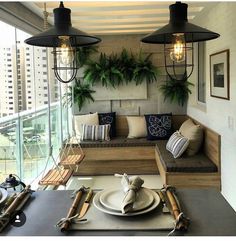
[(177, 144), (95, 132)]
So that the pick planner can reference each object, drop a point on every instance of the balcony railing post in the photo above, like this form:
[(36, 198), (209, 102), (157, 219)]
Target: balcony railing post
[(19, 148)]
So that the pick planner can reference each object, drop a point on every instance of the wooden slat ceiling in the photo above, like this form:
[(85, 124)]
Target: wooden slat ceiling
[(116, 17)]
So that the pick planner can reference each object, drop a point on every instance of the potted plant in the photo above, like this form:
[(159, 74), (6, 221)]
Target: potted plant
[(144, 69), (82, 94), (176, 90)]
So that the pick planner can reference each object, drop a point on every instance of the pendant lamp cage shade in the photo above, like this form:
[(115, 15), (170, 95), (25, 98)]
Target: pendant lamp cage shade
[(64, 39), (178, 37)]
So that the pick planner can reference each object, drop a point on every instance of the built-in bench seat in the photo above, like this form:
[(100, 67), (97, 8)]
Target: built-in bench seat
[(197, 163), (118, 142), (202, 170)]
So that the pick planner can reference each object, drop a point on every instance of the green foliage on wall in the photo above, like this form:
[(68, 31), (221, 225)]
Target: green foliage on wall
[(176, 91), (82, 94), (115, 70)]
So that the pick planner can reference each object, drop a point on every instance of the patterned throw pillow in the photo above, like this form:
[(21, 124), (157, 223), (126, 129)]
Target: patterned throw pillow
[(108, 118), (177, 144), (159, 126), (95, 132)]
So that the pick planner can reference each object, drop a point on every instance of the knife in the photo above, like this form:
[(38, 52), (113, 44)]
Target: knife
[(86, 204)]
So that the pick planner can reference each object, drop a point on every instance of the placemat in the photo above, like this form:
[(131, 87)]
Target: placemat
[(97, 220)]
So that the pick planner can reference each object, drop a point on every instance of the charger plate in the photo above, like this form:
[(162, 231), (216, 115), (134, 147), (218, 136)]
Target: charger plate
[(112, 199), (99, 206)]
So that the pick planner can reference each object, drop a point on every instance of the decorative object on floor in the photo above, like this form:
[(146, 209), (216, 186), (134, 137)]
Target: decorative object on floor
[(177, 144), (219, 72), (15, 206), (12, 182), (176, 91), (64, 39), (159, 126), (178, 37), (82, 94)]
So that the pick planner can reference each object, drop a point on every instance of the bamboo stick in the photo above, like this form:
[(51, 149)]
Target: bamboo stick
[(72, 210), (16, 205)]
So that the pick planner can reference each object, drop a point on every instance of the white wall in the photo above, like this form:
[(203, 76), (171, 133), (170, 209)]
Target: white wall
[(221, 19)]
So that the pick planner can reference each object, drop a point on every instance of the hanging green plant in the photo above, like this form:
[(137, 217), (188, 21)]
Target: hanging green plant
[(144, 69), (82, 94), (176, 91), (83, 54), (106, 71), (127, 65)]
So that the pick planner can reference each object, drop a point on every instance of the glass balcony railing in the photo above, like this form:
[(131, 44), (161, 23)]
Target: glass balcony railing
[(24, 141)]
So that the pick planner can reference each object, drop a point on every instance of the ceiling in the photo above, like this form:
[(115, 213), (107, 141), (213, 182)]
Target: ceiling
[(117, 17)]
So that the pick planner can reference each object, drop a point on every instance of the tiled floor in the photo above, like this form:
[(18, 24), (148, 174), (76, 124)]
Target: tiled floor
[(104, 182)]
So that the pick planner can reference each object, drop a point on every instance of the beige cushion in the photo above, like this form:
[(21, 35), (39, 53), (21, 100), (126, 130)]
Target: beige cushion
[(195, 135), (89, 119), (137, 126)]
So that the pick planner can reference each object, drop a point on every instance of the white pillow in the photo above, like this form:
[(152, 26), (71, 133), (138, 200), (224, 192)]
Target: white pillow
[(137, 126), (177, 144), (89, 119), (96, 132)]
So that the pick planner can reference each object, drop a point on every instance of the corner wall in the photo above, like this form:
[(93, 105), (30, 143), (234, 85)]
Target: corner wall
[(221, 19), (154, 103)]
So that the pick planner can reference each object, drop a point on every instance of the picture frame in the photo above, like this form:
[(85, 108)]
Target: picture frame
[(219, 74)]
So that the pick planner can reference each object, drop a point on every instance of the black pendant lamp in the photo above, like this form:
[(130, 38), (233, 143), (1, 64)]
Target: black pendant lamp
[(64, 39), (178, 37)]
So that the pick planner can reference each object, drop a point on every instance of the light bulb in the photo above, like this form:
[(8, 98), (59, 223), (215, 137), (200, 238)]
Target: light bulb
[(177, 53), (65, 51)]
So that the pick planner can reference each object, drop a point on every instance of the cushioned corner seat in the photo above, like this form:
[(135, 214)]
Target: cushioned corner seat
[(118, 142), (198, 163)]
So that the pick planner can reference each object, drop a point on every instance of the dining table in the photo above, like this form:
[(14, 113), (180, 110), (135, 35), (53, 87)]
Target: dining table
[(209, 213)]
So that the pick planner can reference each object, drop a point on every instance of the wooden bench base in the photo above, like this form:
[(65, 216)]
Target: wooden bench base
[(190, 180), (107, 161)]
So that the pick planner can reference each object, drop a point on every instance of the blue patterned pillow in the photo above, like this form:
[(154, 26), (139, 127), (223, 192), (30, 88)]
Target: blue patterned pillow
[(108, 118), (159, 126)]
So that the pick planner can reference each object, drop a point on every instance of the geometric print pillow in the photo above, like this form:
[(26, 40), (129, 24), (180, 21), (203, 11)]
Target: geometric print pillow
[(159, 126), (108, 118), (177, 144)]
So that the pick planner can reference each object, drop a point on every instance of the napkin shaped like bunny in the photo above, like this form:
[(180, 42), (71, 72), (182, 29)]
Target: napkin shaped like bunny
[(131, 186)]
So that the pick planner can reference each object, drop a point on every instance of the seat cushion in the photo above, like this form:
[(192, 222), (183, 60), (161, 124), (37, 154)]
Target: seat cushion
[(196, 163), (118, 142)]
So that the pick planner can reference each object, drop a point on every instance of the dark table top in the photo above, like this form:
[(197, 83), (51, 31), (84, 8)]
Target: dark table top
[(209, 212)]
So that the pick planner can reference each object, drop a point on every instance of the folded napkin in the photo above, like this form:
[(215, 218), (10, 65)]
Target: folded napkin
[(131, 186)]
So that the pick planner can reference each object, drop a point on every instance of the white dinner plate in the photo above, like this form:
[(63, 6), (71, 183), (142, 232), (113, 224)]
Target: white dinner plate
[(3, 195), (99, 206), (112, 199)]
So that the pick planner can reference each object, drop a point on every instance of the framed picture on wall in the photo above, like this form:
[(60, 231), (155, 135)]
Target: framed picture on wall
[(219, 74)]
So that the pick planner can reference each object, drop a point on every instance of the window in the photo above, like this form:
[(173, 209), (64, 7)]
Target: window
[(201, 85)]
